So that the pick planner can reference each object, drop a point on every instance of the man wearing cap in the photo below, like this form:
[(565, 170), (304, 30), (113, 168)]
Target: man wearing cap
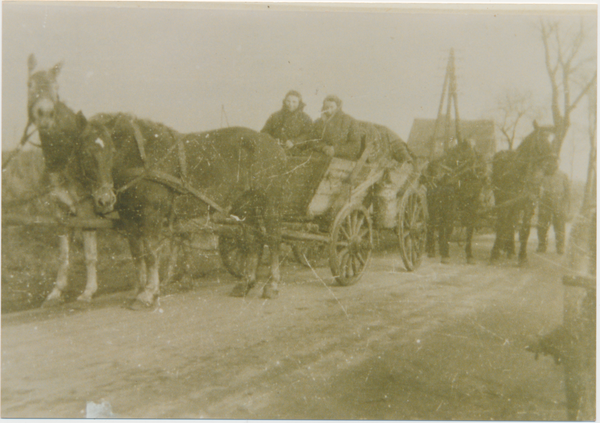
[(290, 125), (337, 132), (554, 206)]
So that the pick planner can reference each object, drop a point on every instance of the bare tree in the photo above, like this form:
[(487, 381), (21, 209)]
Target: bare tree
[(590, 184), (566, 68), (514, 108)]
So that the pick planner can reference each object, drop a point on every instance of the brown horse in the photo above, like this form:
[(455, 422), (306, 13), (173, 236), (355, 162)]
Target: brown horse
[(454, 183), (59, 131), (517, 178), (152, 166)]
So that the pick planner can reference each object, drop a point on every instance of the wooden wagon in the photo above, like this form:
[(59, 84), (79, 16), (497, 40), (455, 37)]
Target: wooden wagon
[(331, 207)]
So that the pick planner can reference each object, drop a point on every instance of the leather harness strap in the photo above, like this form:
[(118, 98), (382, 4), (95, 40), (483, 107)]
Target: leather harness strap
[(139, 139), (180, 184), (182, 159)]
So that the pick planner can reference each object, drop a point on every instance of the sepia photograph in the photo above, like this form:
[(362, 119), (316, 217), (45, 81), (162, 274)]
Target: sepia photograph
[(298, 211)]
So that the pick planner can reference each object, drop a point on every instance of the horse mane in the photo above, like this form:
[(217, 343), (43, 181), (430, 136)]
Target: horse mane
[(59, 143)]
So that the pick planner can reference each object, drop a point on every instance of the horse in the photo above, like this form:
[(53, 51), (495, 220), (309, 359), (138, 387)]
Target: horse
[(59, 130), (454, 183), (162, 177), (517, 177)]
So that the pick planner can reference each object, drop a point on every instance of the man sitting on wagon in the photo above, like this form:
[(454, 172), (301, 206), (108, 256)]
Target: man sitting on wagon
[(335, 133), (340, 135), (290, 125)]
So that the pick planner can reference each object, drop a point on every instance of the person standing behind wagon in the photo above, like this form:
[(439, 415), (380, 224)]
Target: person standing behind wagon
[(554, 206), (339, 134), (290, 125)]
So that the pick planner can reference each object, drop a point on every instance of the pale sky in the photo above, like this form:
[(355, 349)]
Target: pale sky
[(180, 63)]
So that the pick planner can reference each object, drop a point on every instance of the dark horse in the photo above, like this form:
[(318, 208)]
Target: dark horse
[(454, 183), (60, 131), (517, 177), (153, 168)]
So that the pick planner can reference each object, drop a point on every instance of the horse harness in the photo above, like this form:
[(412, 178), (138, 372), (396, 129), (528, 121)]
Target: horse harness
[(180, 184)]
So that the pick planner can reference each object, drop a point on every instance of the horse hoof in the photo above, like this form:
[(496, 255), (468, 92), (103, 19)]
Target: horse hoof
[(270, 293), (84, 299), (445, 260), (523, 261), (240, 290), (471, 260), (138, 305)]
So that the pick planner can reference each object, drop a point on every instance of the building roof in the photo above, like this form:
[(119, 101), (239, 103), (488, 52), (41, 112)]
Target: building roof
[(482, 132)]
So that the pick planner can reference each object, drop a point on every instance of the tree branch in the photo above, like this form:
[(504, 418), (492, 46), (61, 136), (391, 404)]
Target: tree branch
[(583, 92)]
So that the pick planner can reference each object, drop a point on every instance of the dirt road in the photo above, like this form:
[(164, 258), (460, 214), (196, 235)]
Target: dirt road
[(445, 342)]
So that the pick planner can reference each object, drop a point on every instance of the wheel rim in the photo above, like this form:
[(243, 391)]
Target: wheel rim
[(412, 230), (352, 245)]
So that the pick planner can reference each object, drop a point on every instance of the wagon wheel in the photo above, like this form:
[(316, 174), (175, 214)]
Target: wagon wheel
[(351, 244), (231, 254), (412, 228), (310, 254)]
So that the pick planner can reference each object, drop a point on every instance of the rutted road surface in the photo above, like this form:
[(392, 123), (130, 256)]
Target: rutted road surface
[(445, 342)]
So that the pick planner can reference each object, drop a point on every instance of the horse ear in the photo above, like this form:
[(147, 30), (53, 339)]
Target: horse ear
[(81, 121), (31, 63), (56, 69)]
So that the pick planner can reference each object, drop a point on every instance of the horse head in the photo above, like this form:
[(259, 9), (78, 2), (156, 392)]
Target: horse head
[(42, 94), (96, 156)]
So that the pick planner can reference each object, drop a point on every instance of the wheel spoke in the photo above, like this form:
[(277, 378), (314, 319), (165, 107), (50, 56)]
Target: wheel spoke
[(350, 270), (343, 265), (353, 227), (355, 264), (345, 232), (343, 253), (363, 232), (342, 244), (361, 259), (359, 223)]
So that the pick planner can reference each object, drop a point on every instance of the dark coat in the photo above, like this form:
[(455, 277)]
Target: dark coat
[(342, 132), (284, 125)]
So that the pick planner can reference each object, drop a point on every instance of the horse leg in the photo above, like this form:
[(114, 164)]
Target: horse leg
[(431, 227), (500, 240), (271, 290), (469, 239), (251, 259), (137, 254), (445, 229), (430, 240), (63, 270), (151, 259), (495, 253), (90, 247), (524, 232)]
